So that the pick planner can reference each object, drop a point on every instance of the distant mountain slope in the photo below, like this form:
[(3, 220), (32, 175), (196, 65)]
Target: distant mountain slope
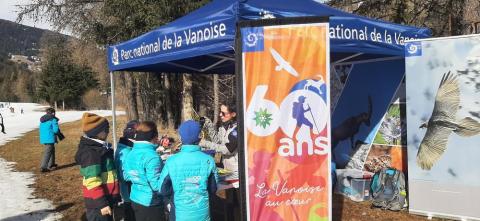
[(19, 39)]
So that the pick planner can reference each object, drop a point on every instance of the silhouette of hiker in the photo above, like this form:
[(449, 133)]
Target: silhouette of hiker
[(299, 114), (1, 124)]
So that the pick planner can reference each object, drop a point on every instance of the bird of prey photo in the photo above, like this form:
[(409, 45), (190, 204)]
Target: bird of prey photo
[(443, 122)]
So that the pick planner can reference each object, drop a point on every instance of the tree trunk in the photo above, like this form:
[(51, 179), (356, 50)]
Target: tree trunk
[(187, 99), (215, 98), (168, 103), (63, 105), (131, 95), (138, 92), (56, 106)]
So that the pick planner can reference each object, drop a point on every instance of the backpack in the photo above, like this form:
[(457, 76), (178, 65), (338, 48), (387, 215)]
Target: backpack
[(295, 111), (388, 189)]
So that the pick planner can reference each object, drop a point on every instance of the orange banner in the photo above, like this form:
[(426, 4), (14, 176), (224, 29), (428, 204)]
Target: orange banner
[(287, 121)]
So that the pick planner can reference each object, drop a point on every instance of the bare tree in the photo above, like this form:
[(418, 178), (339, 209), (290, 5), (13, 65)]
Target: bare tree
[(187, 99)]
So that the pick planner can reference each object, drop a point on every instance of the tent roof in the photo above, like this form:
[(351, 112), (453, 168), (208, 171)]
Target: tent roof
[(203, 41)]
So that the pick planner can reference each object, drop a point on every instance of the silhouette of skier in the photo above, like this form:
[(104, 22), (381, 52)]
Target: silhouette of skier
[(1, 124), (298, 113)]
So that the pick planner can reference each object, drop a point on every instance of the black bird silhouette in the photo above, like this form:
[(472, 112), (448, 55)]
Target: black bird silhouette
[(451, 172), (349, 127), (443, 122), (464, 72), (2, 125), (475, 114)]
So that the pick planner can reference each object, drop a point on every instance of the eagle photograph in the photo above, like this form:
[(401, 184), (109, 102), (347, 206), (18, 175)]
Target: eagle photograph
[(443, 129), (443, 122)]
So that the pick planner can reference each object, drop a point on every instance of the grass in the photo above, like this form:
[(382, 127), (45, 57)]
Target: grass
[(62, 186)]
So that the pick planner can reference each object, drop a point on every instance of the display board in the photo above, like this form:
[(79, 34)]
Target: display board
[(443, 126), (358, 114), (287, 120), (389, 148)]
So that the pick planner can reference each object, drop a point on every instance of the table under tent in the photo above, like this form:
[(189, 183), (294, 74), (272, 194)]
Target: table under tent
[(366, 56)]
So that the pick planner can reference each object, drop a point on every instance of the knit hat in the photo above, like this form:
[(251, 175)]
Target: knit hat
[(130, 128), (93, 124), (189, 132)]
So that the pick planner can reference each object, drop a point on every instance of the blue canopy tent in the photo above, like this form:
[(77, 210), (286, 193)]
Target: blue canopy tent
[(203, 41)]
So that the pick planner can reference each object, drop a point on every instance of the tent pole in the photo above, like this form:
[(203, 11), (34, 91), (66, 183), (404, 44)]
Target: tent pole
[(114, 117), (371, 60), (347, 58)]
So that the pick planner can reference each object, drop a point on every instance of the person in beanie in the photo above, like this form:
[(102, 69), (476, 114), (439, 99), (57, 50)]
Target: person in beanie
[(124, 147), (192, 175), (142, 168), (48, 137), (95, 157)]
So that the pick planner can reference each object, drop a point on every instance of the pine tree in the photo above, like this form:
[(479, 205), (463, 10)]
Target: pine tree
[(61, 79)]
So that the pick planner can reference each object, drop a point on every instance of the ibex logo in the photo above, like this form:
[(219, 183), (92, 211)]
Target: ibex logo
[(115, 60), (413, 49)]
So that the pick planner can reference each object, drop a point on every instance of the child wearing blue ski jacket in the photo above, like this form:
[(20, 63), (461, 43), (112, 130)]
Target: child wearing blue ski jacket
[(192, 175)]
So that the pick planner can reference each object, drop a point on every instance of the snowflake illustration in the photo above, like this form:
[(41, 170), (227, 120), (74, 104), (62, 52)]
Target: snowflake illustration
[(262, 118)]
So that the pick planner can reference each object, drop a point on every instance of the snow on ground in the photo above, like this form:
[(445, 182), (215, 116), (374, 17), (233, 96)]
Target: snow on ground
[(16, 199)]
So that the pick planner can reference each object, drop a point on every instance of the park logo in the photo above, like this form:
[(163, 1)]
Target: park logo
[(115, 60), (253, 39), (413, 49)]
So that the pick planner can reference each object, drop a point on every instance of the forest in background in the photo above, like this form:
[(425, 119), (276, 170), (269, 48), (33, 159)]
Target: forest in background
[(169, 98)]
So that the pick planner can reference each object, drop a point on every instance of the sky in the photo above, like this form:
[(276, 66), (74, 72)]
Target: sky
[(8, 12)]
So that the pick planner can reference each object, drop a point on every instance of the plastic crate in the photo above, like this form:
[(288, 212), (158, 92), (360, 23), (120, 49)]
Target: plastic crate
[(361, 189), (353, 184)]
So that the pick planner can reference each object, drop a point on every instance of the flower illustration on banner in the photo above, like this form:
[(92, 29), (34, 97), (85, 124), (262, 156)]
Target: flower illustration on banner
[(263, 118)]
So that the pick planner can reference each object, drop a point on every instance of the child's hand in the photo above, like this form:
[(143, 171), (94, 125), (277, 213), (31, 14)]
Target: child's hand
[(106, 211)]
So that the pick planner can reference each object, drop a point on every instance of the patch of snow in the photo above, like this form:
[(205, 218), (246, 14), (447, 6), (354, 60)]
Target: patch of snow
[(17, 200)]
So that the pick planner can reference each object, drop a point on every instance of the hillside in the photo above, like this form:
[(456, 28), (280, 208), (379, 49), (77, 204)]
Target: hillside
[(17, 72), (19, 39)]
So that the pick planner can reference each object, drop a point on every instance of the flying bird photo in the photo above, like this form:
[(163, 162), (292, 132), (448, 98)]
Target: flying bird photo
[(282, 63), (443, 122)]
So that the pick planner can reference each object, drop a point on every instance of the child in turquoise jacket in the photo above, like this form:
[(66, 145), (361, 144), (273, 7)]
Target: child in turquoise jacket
[(192, 175), (142, 168)]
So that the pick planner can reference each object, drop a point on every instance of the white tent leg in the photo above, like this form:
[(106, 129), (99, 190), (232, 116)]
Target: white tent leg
[(114, 117)]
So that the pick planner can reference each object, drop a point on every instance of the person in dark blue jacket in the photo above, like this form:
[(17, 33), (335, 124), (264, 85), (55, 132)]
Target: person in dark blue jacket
[(142, 168), (192, 175), (48, 136)]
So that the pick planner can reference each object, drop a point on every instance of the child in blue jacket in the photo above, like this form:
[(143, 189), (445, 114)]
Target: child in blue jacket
[(192, 175), (142, 168), (48, 136), (125, 145)]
